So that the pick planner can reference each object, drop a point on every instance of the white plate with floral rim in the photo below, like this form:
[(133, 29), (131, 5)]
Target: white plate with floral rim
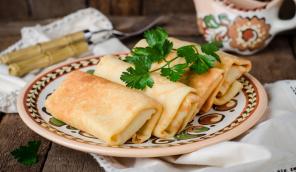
[(221, 123)]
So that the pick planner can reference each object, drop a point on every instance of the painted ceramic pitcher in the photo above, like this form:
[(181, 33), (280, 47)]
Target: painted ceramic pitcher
[(243, 26)]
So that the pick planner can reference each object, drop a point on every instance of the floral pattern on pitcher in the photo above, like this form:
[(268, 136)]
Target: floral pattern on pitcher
[(248, 33), (245, 26), (242, 34), (214, 29)]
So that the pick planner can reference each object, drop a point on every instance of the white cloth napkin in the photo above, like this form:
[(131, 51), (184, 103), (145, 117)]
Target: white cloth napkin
[(268, 147), (83, 19)]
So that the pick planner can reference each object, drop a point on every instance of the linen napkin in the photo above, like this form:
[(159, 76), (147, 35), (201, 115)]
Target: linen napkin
[(270, 146), (83, 19)]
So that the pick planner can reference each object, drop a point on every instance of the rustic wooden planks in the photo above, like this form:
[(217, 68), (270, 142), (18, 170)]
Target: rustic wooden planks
[(174, 24), (156, 7), (126, 7), (14, 133), (293, 44), (117, 7), (60, 158), (14, 10), (53, 8), (103, 5), (37, 9), (8, 40), (142, 7), (15, 27), (276, 62), (1, 116)]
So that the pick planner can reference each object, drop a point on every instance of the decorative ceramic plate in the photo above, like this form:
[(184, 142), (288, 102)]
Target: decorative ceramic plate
[(221, 123)]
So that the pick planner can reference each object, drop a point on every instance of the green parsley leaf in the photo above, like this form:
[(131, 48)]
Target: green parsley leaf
[(211, 48), (208, 59), (174, 73), (199, 66), (27, 155), (142, 64), (138, 79), (159, 46), (188, 53), (139, 51), (153, 54), (166, 48), (131, 59), (156, 36), (157, 50)]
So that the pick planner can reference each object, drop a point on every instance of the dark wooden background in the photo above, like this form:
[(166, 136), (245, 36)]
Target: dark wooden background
[(15, 10)]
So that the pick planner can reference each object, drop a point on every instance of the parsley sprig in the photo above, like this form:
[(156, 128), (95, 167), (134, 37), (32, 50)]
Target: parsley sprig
[(158, 48), (27, 155)]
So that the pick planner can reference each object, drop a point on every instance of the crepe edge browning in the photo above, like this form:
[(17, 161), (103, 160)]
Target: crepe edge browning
[(85, 120), (179, 100)]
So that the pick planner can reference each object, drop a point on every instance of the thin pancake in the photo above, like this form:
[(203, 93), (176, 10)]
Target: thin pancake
[(177, 99), (95, 105)]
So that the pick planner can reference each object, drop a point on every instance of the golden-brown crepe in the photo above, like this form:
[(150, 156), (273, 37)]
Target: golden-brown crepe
[(102, 108), (234, 67), (222, 85), (207, 86), (179, 101), (234, 88)]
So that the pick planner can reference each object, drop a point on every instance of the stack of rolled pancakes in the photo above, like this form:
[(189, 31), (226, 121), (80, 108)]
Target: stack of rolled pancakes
[(102, 106)]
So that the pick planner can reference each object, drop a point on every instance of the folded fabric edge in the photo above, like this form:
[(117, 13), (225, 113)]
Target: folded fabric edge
[(104, 162)]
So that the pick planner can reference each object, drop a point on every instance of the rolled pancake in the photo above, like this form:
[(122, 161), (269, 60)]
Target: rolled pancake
[(234, 67), (234, 88), (109, 111), (222, 90), (179, 101), (207, 86)]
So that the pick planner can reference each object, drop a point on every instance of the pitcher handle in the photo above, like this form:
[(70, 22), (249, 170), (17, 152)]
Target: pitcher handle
[(282, 25)]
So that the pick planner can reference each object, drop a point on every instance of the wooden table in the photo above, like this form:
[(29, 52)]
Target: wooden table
[(276, 62)]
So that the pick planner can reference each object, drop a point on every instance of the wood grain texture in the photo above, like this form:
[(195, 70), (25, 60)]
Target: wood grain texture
[(126, 7), (14, 27), (8, 40), (64, 159), (174, 24), (1, 116), (293, 44), (14, 10), (103, 5), (276, 62), (41, 9), (157, 7), (14, 133)]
